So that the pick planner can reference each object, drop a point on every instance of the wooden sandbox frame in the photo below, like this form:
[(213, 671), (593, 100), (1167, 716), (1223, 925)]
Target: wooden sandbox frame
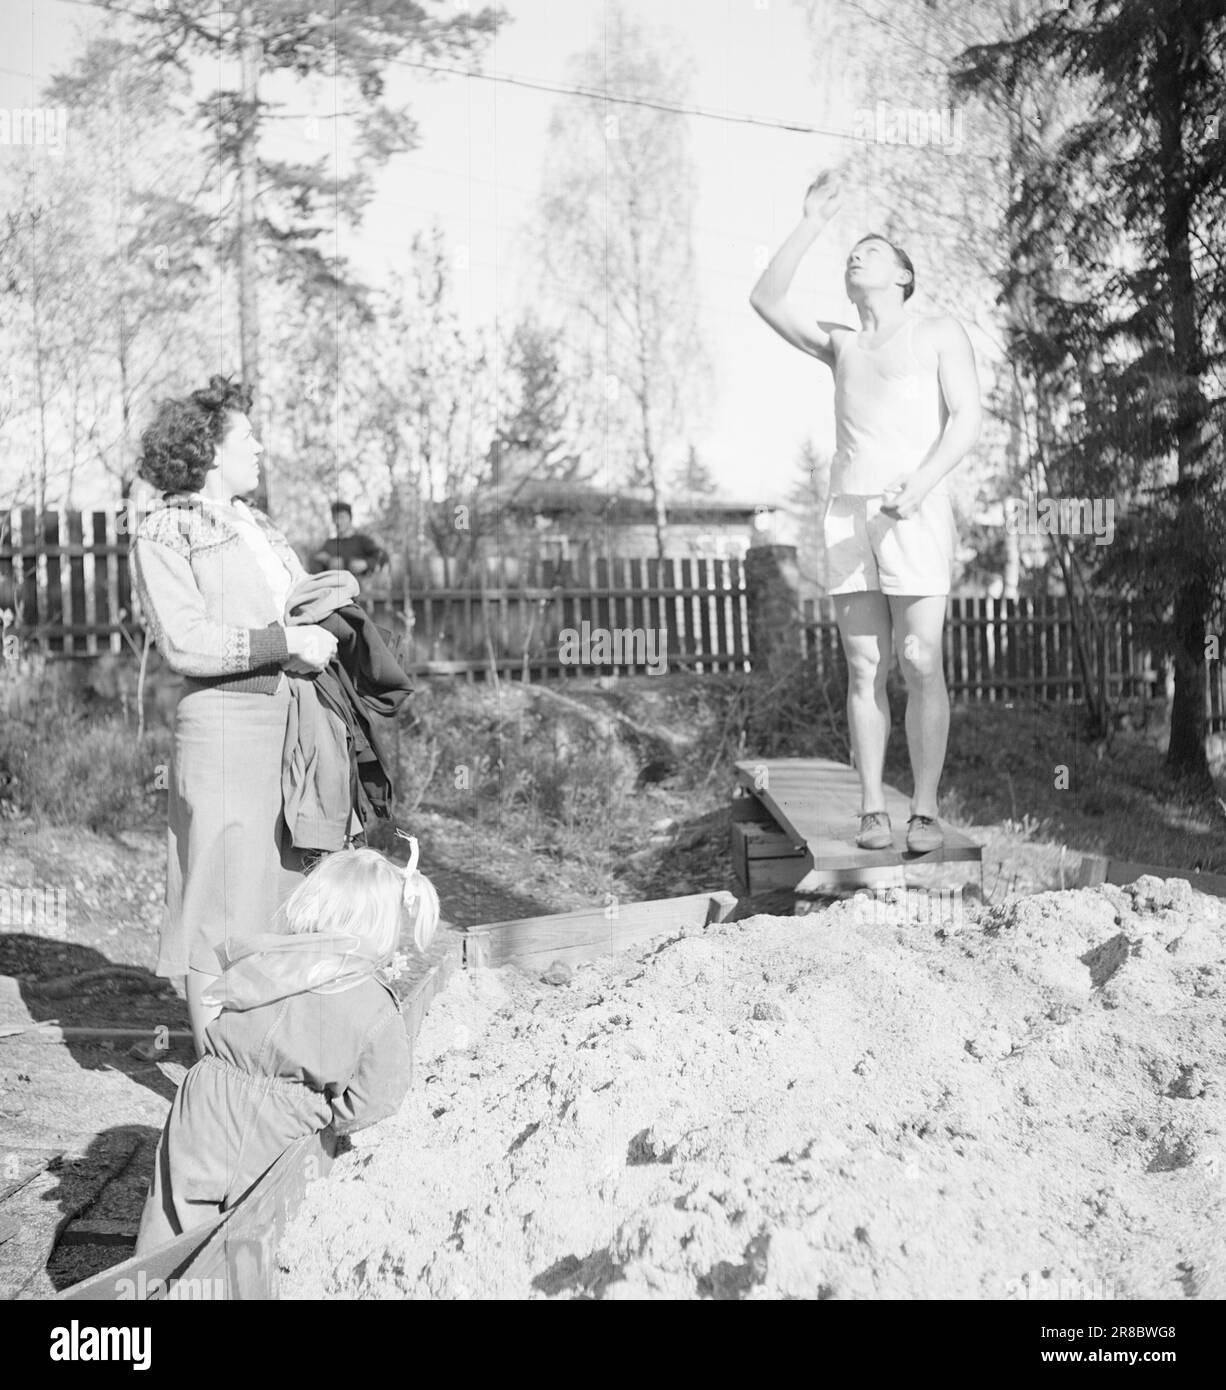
[(234, 1257)]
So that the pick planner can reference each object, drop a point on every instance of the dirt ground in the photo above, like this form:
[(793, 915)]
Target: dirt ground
[(79, 1121), (1031, 1103)]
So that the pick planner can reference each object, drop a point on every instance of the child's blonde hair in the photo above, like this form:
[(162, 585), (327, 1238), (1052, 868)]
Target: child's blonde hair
[(361, 893)]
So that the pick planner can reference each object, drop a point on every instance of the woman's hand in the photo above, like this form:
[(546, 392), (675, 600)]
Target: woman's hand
[(311, 647)]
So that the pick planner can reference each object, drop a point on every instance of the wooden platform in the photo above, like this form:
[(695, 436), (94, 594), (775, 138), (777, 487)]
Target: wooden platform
[(816, 802)]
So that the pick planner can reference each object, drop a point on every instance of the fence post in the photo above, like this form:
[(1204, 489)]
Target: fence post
[(772, 591)]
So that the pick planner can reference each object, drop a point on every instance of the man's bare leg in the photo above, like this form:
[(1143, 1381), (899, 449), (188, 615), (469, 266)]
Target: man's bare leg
[(864, 626), (918, 624)]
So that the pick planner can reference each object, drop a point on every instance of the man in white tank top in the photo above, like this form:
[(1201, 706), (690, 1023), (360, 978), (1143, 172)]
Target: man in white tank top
[(907, 412)]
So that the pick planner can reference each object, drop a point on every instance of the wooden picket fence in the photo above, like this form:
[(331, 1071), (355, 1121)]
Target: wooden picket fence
[(65, 584), (1024, 649), (65, 581), (535, 625)]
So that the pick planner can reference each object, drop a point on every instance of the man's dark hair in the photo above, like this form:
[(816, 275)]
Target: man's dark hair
[(179, 447), (900, 256), (339, 507)]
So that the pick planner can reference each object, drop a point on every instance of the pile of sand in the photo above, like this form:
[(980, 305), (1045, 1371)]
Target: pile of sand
[(1030, 1105)]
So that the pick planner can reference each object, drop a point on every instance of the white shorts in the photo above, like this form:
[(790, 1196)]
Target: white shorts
[(868, 552)]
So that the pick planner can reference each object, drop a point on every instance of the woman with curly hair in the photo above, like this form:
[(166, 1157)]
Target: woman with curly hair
[(213, 576)]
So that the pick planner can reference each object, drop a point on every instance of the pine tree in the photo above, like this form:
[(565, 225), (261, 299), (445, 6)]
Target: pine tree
[(1118, 221)]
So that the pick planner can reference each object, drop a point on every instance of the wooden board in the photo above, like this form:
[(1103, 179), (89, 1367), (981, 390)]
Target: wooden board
[(764, 857), (816, 801), (765, 860), (764, 840), (239, 1259), (54, 1032), (442, 960), (1097, 868), (535, 942), (143, 1278), (99, 1232)]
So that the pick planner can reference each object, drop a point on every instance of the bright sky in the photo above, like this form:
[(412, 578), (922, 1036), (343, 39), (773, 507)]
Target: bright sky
[(478, 165)]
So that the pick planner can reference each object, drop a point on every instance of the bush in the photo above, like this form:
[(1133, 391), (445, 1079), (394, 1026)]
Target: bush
[(478, 748), (67, 760)]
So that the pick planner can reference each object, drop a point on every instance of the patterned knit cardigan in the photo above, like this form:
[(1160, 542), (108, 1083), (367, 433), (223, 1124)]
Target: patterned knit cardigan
[(205, 598)]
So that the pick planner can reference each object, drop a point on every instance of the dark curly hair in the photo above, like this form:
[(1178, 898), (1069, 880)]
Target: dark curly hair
[(178, 448)]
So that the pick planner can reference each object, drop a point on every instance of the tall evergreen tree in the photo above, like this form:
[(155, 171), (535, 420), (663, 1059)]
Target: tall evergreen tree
[(1118, 225)]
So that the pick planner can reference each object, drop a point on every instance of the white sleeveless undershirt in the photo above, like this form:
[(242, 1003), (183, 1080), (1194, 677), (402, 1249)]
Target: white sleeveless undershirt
[(887, 408)]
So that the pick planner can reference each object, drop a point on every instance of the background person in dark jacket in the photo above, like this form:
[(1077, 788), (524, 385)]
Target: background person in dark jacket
[(348, 549)]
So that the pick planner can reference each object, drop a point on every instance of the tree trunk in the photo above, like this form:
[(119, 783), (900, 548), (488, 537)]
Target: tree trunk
[(248, 270), (1013, 547), (658, 510), (1186, 756), (40, 477)]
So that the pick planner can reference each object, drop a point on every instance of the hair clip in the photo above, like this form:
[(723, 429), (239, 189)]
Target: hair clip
[(410, 872)]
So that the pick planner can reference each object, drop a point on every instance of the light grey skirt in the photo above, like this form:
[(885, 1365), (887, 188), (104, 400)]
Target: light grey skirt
[(229, 861)]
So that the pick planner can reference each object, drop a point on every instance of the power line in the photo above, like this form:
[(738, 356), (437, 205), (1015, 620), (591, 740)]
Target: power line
[(559, 89)]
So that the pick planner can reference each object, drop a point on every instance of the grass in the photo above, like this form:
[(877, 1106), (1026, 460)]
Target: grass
[(69, 759), (529, 792), (1037, 792), (1026, 768)]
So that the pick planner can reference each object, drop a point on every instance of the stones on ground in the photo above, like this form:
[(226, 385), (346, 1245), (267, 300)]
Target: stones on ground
[(558, 973), (990, 1045), (1190, 1084), (767, 1011)]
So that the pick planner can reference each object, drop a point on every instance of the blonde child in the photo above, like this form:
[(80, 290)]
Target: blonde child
[(308, 1037)]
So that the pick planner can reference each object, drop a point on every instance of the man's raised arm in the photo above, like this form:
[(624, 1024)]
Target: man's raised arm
[(769, 297)]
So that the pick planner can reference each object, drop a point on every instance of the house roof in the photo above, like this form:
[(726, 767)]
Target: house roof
[(552, 497)]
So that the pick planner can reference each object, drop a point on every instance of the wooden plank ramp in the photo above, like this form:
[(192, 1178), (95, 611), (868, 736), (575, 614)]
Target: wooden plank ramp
[(817, 801), (234, 1255)]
